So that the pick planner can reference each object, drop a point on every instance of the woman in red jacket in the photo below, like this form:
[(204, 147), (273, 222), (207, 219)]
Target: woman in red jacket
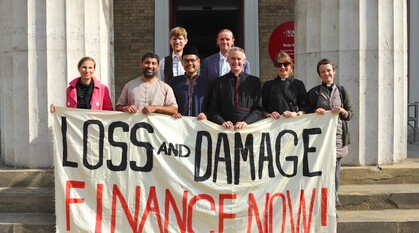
[(86, 91)]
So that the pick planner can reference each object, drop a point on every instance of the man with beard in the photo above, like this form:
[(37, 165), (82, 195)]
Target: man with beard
[(147, 93), (236, 98)]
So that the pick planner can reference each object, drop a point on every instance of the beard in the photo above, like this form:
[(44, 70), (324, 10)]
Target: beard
[(150, 73)]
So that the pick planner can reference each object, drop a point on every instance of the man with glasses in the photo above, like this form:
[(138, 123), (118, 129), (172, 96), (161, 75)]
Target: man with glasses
[(191, 89)]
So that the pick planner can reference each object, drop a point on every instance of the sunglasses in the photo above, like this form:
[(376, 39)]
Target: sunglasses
[(279, 65)]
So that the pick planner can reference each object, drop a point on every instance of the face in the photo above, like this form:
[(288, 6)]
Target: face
[(87, 69), (236, 61), (150, 67), (327, 73), (178, 43), (283, 71), (225, 41), (190, 64)]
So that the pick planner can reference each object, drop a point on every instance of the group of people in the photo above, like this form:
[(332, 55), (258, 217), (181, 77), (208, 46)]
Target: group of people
[(224, 92)]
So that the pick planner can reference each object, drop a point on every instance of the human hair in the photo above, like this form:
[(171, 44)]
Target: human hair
[(236, 49), (225, 30), (149, 55), (325, 61), (178, 31), (83, 59), (287, 58)]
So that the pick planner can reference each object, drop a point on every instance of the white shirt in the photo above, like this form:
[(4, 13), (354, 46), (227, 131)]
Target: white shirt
[(177, 67), (141, 94), (224, 66)]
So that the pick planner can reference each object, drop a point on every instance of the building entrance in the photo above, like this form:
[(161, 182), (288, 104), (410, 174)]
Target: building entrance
[(203, 19)]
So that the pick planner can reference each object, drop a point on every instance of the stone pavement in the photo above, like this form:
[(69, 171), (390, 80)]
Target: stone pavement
[(381, 198), (413, 149)]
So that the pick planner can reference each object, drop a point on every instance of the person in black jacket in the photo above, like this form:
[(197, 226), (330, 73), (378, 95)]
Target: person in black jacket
[(235, 99), (284, 95)]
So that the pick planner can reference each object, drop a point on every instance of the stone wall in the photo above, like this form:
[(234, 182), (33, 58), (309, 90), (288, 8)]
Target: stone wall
[(272, 13), (134, 36)]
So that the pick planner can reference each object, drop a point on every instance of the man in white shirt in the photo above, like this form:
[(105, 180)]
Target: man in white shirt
[(171, 66), (147, 93), (216, 65)]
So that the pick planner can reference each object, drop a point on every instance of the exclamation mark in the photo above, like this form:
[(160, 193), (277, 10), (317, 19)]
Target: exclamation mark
[(324, 207)]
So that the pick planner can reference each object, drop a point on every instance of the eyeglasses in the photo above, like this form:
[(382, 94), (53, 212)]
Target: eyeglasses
[(279, 64), (190, 60)]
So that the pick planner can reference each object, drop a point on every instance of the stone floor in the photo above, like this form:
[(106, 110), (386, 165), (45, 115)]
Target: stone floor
[(413, 149)]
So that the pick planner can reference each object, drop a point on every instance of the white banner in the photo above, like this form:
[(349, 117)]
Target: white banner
[(117, 172)]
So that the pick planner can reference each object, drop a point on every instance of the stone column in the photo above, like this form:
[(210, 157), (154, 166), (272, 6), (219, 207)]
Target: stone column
[(40, 46), (367, 40)]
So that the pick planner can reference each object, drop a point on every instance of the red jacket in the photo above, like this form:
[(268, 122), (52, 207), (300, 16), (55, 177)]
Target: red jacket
[(100, 96)]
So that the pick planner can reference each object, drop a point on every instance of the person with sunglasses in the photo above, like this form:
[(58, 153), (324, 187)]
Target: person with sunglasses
[(284, 95), (191, 89)]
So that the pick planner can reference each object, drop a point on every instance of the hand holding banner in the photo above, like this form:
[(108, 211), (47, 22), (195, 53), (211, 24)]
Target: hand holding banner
[(118, 172)]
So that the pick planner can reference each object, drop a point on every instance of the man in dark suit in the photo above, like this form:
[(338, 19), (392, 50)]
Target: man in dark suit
[(216, 65), (235, 99)]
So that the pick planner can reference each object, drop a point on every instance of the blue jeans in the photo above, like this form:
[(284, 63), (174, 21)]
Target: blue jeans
[(337, 172)]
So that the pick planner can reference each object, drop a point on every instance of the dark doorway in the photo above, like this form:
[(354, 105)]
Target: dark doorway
[(203, 19)]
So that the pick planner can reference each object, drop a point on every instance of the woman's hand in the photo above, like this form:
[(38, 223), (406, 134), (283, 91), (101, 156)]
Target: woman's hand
[(275, 115), (320, 111), (52, 108), (288, 114), (339, 110)]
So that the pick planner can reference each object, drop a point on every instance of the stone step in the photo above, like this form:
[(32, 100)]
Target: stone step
[(379, 196), (21, 177), (27, 223), (388, 221), (26, 200), (406, 172)]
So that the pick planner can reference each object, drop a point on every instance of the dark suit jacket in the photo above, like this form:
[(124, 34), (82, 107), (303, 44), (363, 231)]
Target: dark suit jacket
[(235, 100), (211, 68)]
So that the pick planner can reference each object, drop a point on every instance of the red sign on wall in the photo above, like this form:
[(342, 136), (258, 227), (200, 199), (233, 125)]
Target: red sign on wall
[(282, 40)]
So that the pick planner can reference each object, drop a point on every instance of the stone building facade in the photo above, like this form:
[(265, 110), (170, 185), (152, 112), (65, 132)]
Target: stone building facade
[(41, 41), (135, 29)]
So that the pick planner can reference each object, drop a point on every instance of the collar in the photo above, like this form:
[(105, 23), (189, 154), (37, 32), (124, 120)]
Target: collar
[(235, 75), (96, 83), (187, 77), (279, 79), (174, 56), (328, 85), (221, 56)]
